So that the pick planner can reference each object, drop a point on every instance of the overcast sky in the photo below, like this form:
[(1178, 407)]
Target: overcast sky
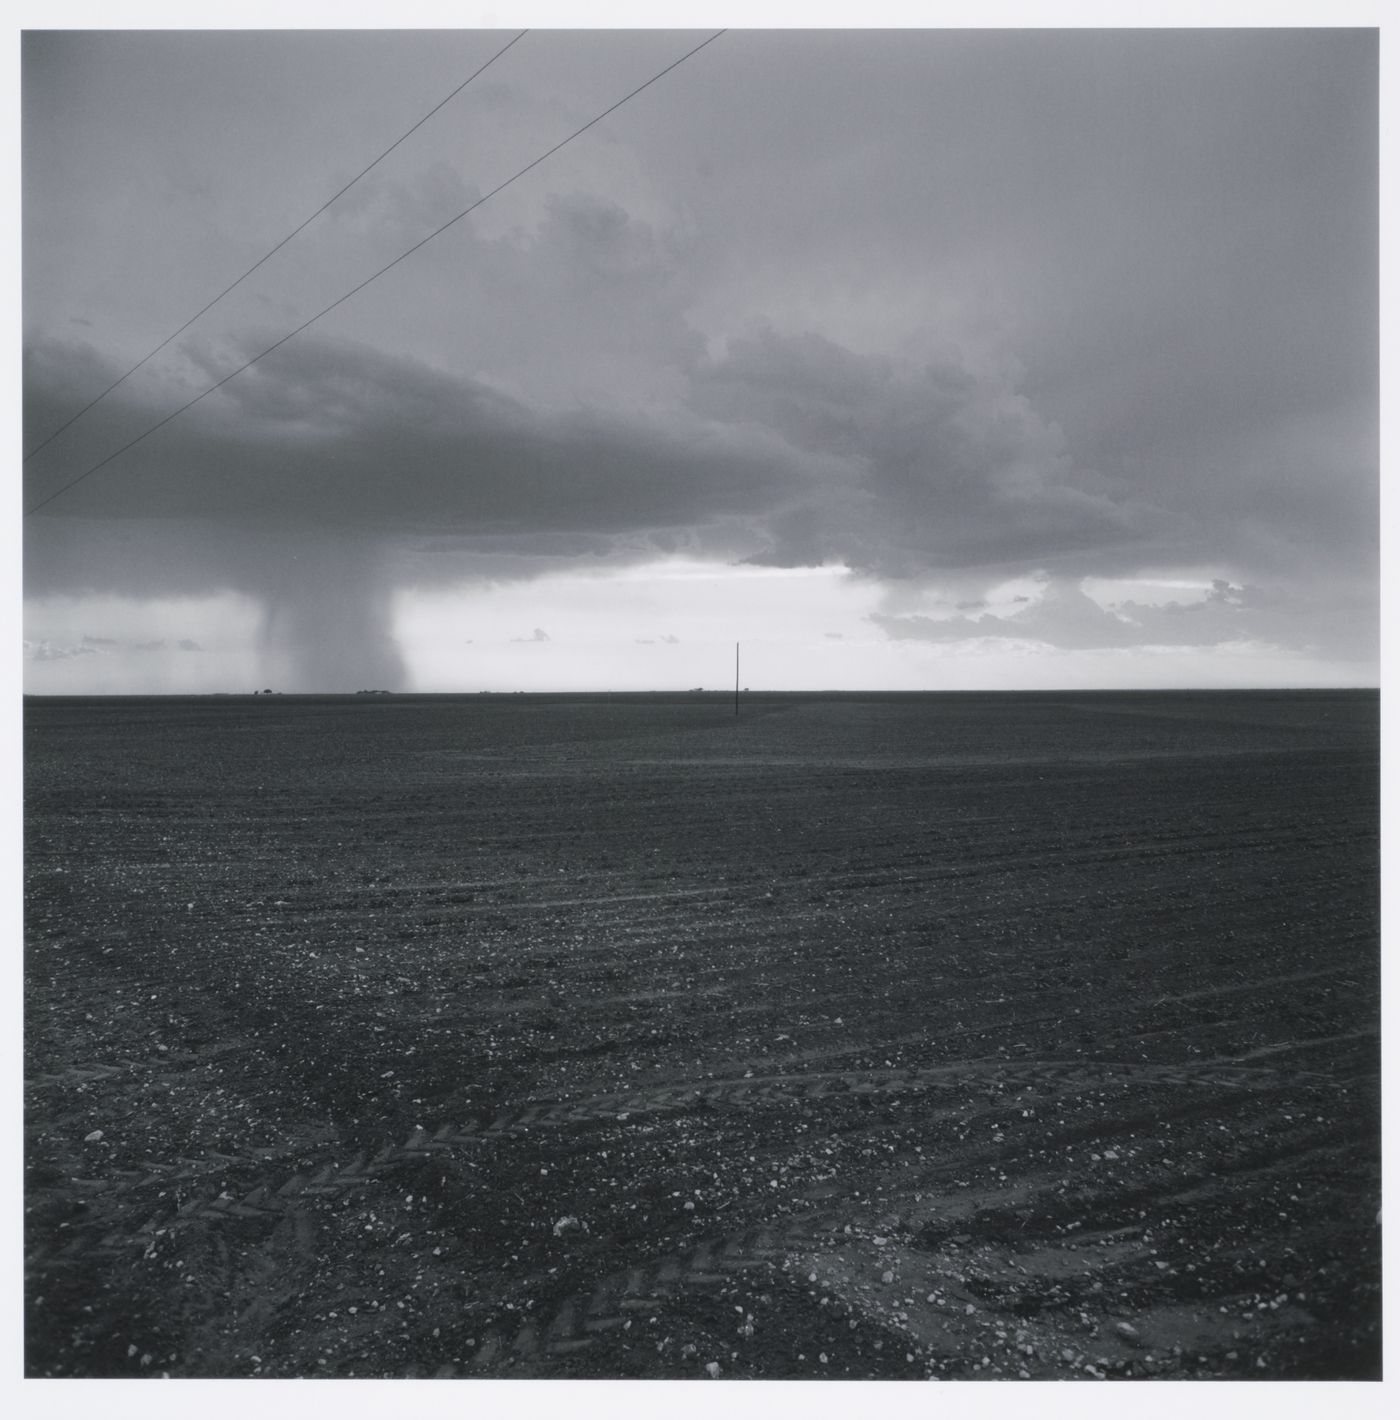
[(911, 359)]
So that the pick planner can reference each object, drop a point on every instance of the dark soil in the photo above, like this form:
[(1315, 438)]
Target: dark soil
[(960, 1036)]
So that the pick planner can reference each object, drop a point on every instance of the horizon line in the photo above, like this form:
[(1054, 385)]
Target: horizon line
[(706, 690)]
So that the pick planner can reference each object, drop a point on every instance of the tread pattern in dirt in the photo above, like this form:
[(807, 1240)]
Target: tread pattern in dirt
[(583, 1317), (89, 1074), (277, 1199)]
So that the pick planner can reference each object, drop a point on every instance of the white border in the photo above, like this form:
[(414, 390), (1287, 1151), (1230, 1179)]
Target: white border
[(117, 1400)]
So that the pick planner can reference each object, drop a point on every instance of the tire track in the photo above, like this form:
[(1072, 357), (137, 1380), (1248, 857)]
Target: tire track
[(1241, 987), (583, 1317), (611, 1304), (87, 1074), (1307, 1043), (274, 1200), (1004, 1075)]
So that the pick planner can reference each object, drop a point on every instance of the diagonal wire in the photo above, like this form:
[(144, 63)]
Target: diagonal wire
[(500, 187), (273, 252)]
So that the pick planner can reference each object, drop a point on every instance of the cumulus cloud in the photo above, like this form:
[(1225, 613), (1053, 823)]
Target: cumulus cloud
[(1066, 617)]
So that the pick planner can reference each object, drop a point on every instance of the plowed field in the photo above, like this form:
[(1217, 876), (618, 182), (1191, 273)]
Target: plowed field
[(964, 1036)]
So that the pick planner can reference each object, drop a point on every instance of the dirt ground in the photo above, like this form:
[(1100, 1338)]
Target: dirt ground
[(958, 1036)]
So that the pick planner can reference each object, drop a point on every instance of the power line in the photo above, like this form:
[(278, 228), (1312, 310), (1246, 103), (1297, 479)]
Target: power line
[(273, 252), (44, 502), (500, 187)]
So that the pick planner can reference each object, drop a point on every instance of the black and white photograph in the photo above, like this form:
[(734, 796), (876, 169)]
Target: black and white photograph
[(700, 701)]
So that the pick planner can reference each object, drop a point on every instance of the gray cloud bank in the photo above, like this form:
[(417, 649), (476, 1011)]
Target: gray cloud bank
[(1067, 618), (321, 482), (46, 650), (49, 651), (327, 468), (1095, 305)]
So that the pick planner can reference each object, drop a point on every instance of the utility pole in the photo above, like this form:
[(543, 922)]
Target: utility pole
[(736, 678)]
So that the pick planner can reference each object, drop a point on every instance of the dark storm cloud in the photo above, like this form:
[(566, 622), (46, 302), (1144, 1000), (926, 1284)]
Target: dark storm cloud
[(819, 453), (947, 307), (1170, 237), (319, 483), (922, 467), (336, 435)]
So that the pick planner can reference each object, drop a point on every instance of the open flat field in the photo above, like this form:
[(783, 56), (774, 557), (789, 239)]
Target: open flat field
[(966, 1036)]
